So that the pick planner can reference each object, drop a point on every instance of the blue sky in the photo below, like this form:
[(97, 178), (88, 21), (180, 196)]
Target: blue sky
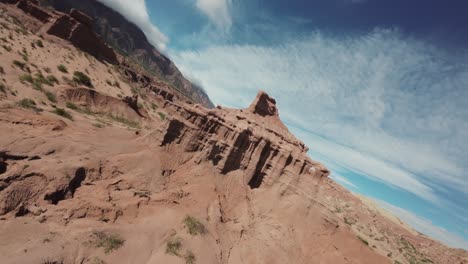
[(377, 89)]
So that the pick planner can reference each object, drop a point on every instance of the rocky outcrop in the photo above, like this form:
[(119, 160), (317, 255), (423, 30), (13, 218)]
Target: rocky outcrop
[(129, 40), (253, 141), (96, 102), (77, 28), (32, 7), (157, 88)]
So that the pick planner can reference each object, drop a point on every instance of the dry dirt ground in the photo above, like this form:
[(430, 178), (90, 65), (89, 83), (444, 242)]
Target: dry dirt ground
[(84, 178)]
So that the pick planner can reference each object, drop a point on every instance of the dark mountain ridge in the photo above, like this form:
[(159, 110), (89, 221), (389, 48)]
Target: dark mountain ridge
[(129, 40)]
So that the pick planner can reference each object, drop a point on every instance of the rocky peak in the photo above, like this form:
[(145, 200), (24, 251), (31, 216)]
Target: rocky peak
[(239, 142), (264, 105)]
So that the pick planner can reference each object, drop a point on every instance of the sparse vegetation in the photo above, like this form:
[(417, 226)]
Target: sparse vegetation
[(52, 261), (28, 104), (189, 257), (412, 254), (63, 113), (71, 106), (363, 240), (26, 78), (125, 121), (39, 43), (62, 68), (194, 226), (162, 115), (7, 48), (52, 79), (349, 221), (39, 78), (3, 88), (25, 54), (19, 64), (98, 125), (51, 96), (109, 242), (82, 79), (173, 247), (154, 106)]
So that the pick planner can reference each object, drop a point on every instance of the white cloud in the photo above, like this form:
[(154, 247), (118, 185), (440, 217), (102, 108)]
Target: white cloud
[(137, 13), (425, 226), (345, 158), (218, 11), (342, 180), (396, 106)]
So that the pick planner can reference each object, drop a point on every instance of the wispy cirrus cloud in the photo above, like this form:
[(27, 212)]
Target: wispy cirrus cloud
[(218, 11), (395, 104), (137, 12)]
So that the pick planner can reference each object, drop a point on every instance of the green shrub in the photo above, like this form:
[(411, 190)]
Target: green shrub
[(39, 78), (162, 116), (82, 78), (72, 106), (26, 78), (28, 104), (7, 48), (173, 247), (63, 113), (62, 68), (154, 106), (52, 79), (189, 258), (125, 121), (51, 97), (109, 242), (194, 227), (19, 64), (25, 55), (39, 43), (37, 86), (363, 240)]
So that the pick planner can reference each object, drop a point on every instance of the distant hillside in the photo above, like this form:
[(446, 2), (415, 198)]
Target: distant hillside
[(130, 41)]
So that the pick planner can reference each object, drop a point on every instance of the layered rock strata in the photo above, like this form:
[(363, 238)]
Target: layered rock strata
[(252, 140)]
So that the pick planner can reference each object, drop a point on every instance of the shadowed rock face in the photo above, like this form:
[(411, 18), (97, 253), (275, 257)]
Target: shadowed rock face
[(32, 8), (77, 28), (264, 105), (129, 40), (253, 141)]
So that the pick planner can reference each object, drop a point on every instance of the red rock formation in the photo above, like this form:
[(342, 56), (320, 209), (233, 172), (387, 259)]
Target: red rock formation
[(77, 28), (253, 141), (32, 8), (81, 17), (96, 102)]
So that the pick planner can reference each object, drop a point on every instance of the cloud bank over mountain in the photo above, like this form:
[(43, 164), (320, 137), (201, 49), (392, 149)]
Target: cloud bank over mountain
[(138, 13)]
